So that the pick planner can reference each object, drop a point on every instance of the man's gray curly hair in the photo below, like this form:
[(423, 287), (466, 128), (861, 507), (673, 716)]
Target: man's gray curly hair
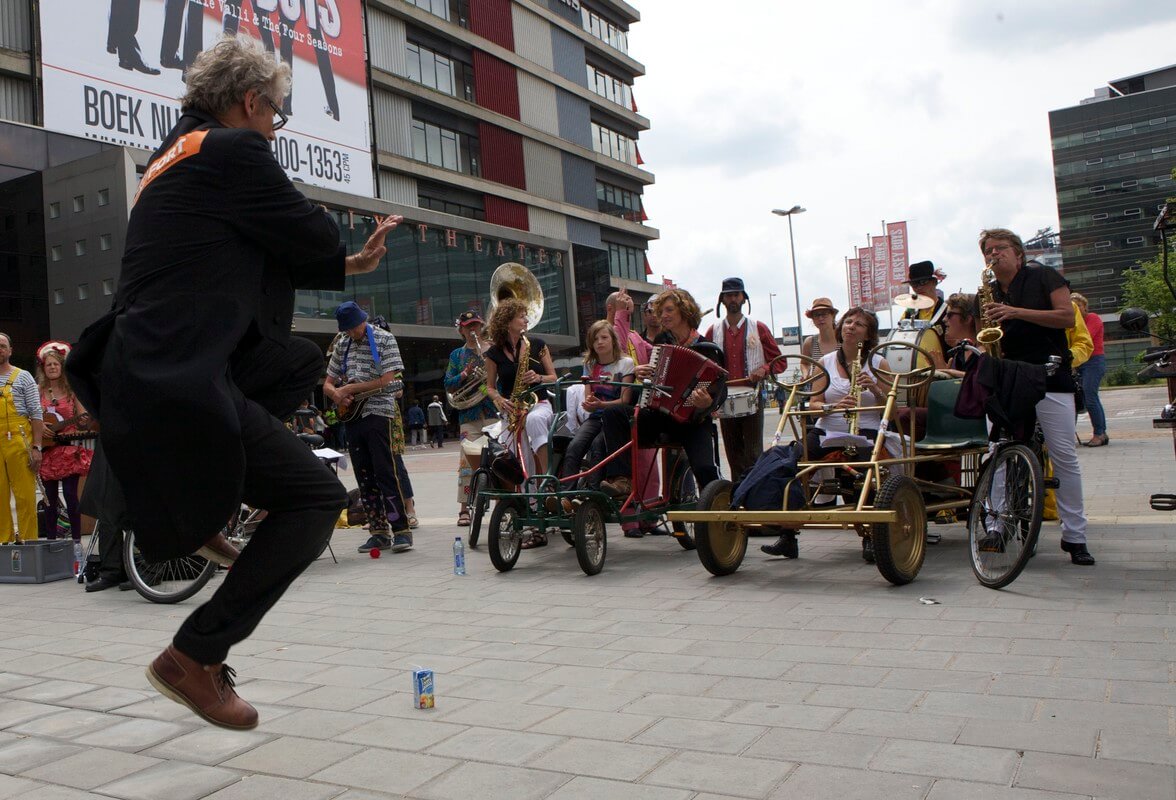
[(220, 76)]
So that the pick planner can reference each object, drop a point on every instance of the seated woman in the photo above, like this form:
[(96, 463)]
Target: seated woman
[(680, 317), (603, 362), (962, 318), (508, 377)]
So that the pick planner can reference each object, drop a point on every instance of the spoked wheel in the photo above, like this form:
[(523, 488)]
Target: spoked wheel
[(505, 537), (477, 504), (1005, 517), (721, 545), (683, 493), (805, 371), (591, 541), (165, 581), (899, 546)]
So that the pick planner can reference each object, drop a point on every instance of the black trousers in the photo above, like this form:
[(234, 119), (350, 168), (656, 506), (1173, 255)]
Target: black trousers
[(282, 475), (581, 446), (103, 500), (189, 16), (696, 439), (369, 441), (123, 28), (436, 435)]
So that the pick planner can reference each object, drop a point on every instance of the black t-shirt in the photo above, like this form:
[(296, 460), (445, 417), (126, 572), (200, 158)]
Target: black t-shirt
[(1028, 341), (508, 369)]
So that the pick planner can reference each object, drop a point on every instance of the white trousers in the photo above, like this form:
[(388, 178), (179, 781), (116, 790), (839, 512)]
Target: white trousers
[(538, 432)]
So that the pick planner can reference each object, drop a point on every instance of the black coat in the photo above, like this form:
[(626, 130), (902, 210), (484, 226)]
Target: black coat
[(218, 240)]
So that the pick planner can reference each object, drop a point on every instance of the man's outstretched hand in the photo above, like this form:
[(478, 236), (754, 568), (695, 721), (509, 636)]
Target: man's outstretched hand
[(367, 259)]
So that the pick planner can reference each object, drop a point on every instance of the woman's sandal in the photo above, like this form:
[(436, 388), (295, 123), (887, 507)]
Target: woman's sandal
[(534, 540)]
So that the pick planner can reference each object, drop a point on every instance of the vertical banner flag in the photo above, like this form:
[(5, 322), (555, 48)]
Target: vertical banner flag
[(896, 232), (866, 257), (855, 282), (882, 293), (114, 72)]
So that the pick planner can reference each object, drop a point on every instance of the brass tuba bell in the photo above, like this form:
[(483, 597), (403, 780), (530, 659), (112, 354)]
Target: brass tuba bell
[(514, 281)]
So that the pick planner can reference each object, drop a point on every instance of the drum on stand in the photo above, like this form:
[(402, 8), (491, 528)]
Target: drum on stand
[(921, 334), (742, 401)]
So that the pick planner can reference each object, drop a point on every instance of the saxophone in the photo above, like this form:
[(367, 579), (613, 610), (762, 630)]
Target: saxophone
[(991, 334), (520, 389), (855, 389)]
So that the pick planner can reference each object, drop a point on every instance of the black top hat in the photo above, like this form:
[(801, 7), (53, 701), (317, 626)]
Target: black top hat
[(920, 271), (731, 285)]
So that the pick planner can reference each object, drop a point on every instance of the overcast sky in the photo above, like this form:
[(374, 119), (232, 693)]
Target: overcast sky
[(862, 111)]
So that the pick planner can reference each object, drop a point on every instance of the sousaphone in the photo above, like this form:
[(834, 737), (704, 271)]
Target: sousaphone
[(513, 281)]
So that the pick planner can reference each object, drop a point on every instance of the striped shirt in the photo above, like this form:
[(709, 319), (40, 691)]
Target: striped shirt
[(352, 362), (25, 394)]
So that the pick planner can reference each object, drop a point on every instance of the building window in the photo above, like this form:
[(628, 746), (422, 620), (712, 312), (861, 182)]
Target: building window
[(79, 203), (1103, 215), (1135, 240), (605, 31), (618, 202), (103, 197), (1125, 156), (1097, 189), (438, 7), (54, 210), (58, 296), (1102, 245), (452, 10), (1162, 149), (609, 143), (80, 247), (1133, 212), (1105, 273), (450, 207), (430, 68), (1093, 161), (444, 148), (83, 291), (104, 241), (626, 262), (609, 87), (55, 252), (1130, 184), (108, 286)]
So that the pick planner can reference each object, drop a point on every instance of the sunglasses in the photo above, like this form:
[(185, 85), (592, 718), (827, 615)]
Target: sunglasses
[(951, 314)]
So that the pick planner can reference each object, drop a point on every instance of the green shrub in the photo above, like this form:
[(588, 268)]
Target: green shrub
[(1122, 376)]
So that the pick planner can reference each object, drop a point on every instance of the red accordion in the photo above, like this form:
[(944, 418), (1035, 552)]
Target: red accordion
[(677, 372)]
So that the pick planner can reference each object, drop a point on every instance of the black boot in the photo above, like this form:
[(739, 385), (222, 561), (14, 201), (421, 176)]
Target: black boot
[(785, 546), (1078, 553)]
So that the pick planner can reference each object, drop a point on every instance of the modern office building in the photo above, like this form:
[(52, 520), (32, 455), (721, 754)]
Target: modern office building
[(1113, 159), (502, 130)]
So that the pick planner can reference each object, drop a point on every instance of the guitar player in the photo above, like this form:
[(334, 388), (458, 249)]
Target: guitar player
[(369, 359)]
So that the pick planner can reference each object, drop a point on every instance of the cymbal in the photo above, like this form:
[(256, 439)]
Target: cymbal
[(916, 301)]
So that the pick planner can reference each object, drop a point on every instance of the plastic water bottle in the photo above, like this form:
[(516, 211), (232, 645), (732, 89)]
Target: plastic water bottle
[(458, 556), (77, 559)]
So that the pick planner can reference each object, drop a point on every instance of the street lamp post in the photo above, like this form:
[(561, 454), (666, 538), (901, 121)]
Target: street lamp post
[(792, 244), (772, 311)]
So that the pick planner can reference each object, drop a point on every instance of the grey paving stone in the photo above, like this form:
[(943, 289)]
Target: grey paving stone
[(1038, 687), (67, 724), (11, 787), (14, 712), (25, 754), (389, 771), (51, 792), (962, 762), (1044, 736), (292, 757), (209, 745), (762, 690), (491, 782), (107, 698), (1113, 669), (1113, 716), (581, 788), (401, 734), (943, 680), (91, 768), (317, 723), (623, 761), (486, 713), (173, 780), (1101, 777), (586, 699), (136, 734), (692, 734), (259, 787), (786, 715), (498, 690), (1146, 693), (1004, 663), (864, 697), (983, 706), (728, 775), (336, 698), (676, 705), (844, 674), (495, 745), (1127, 746), (595, 724), (958, 790), (816, 747), (814, 781)]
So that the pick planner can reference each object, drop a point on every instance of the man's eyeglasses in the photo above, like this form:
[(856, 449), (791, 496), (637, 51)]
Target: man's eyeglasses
[(997, 248), (280, 119)]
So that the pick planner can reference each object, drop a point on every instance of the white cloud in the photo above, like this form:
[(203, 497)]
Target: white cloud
[(932, 112)]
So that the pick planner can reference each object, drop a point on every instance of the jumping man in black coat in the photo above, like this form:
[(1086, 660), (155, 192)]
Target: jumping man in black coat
[(217, 242)]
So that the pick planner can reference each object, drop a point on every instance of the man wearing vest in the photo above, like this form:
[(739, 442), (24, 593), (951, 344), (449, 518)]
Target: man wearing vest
[(748, 347), (20, 445)]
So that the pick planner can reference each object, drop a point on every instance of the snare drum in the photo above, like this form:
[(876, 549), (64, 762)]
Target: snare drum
[(903, 359), (741, 402)]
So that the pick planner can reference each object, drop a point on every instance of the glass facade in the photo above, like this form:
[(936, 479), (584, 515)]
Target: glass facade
[(609, 143), (432, 273), (430, 68), (609, 87), (626, 262), (618, 202), (602, 29), (444, 148)]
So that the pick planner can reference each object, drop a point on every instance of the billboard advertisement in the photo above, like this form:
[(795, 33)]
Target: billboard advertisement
[(114, 71)]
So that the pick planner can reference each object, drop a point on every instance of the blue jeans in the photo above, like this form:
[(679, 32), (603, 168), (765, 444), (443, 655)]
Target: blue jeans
[(1092, 373)]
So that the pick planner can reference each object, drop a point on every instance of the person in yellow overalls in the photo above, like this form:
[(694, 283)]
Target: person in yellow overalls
[(20, 445)]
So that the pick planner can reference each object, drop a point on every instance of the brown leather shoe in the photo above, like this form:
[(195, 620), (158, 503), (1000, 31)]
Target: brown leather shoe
[(206, 689), (219, 550)]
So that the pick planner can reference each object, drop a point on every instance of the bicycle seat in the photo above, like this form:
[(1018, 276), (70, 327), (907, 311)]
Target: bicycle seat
[(312, 440)]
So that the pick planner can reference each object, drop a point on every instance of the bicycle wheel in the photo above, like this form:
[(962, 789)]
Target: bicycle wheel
[(683, 493), (721, 545), (505, 536), (899, 546), (588, 528), (1005, 517), (165, 581), (477, 505)]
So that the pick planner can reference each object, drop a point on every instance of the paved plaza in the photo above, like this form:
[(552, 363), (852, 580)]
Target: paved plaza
[(654, 681)]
